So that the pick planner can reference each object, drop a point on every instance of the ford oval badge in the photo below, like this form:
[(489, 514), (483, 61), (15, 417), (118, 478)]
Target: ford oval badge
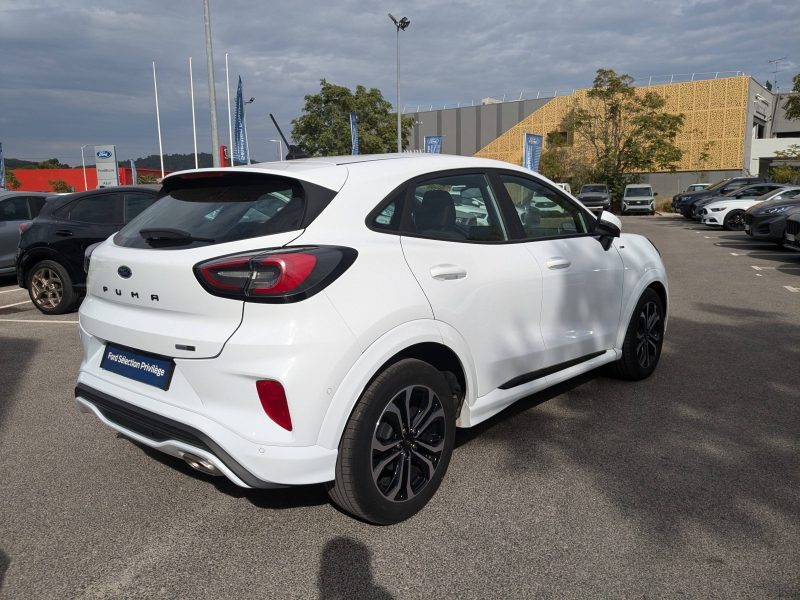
[(104, 154), (124, 272)]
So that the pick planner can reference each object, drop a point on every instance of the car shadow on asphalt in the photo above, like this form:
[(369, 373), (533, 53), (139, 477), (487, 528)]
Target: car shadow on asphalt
[(5, 562), (705, 449), (15, 354), (345, 572)]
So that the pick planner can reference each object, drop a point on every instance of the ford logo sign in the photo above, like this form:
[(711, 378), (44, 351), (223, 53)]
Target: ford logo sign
[(124, 272), (104, 154)]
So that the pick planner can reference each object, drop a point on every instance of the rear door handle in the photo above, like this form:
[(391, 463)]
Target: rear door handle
[(64, 233), (448, 272), (557, 263)]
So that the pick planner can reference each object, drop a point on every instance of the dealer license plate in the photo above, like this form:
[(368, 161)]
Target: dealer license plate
[(151, 369), (790, 237), (747, 227)]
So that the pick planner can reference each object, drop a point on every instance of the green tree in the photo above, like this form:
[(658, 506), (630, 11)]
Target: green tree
[(12, 183), (324, 128), (147, 178), (784, 172), (792, 106), (51, 164), (627, 133), (60, 186)]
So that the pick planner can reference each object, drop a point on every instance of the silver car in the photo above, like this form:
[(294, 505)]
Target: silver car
[(17, 209)]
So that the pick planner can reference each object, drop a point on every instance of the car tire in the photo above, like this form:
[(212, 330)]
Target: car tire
[(397, 444), (644, 338), (50, 288), (734, 221)]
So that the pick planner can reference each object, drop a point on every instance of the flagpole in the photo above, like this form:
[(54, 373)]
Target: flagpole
[(194, 122), (228, 92), (158, 121)]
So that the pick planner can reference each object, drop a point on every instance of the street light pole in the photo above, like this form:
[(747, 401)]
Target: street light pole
[(212, 90), (280, 148), (194, 121), (401, 24), (83, 162)]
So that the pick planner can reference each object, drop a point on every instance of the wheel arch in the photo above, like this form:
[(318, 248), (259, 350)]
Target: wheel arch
[(420, 339), (652, 278)]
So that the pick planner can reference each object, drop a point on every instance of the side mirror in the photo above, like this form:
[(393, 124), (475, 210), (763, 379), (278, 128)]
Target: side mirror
[(608, 227), (656, 194)]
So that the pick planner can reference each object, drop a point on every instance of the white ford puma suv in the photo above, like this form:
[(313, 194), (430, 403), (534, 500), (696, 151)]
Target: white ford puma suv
[(330, 321)]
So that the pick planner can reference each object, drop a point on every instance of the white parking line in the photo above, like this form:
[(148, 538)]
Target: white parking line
[(781, 268), (792, 289), (17, 290), (33, 321), (15, 304)]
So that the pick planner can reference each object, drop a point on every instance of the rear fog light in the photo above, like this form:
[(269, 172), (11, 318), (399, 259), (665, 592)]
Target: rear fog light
[(273, 401)]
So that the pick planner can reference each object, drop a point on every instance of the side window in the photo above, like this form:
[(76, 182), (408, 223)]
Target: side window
[(15, 209), (458, 208), (94, 209), (36, 204), (135, 203), (390, 214), (542, 211)]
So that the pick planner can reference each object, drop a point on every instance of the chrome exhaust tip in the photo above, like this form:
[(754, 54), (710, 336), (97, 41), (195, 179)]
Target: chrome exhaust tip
[(201, 464)]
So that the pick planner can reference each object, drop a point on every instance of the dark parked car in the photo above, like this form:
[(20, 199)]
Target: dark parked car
[(792, 234), (17, 209), (683, 202), (767, 221), (748, 192), (595, 197), (49, 259)]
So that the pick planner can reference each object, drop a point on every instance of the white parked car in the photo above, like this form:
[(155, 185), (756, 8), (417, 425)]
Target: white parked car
[(639, 198), (341, 336), (728, 212)]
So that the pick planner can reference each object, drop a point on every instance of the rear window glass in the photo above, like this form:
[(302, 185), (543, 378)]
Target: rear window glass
[(216, 210)]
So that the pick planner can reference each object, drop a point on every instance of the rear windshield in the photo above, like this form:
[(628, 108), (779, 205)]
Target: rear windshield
[(638, 192), (211, 210)]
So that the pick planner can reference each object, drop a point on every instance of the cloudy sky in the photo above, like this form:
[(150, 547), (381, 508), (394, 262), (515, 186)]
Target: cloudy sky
[(80, 71)]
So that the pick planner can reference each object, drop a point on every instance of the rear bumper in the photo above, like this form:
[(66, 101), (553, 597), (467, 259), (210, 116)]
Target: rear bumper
[(177, 431)]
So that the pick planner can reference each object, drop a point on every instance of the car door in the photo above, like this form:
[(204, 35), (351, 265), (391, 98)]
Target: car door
[(14, 211), (86, 221), (476, 278), (582, 282)]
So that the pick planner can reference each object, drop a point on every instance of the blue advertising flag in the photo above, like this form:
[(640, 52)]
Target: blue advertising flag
[(433, 144), (2, 169), (134, 178), (354, 131), (533, 152), (239, 134)]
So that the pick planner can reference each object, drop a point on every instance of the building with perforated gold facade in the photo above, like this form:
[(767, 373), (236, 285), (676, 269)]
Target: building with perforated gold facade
[(722, 120)]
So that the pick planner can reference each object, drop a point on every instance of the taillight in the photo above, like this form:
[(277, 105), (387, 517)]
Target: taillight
[(23, 227), (273, 401), (274, 276)]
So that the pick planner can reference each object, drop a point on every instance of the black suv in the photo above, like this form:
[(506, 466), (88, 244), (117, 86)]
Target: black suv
[(683, 202), (49, 259), (595, 197)]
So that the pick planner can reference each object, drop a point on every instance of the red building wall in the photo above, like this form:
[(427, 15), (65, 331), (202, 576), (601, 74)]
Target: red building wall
[(35, 180)]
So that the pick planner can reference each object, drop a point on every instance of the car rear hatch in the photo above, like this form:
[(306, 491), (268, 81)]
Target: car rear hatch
[(142, 289)]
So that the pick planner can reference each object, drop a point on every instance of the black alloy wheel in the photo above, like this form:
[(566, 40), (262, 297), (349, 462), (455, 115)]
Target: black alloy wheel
[(734, 221), (397, 444), (641, 348)]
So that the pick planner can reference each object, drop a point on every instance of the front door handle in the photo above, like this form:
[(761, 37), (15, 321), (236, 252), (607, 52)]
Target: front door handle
[(448, 272), (557, 263), (64, 233)]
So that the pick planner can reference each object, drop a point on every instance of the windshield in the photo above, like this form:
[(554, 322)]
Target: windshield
[(594, 189), (214, 211), (638, 192)]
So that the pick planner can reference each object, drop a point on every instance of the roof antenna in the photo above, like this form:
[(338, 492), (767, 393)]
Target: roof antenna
[(294, 151)]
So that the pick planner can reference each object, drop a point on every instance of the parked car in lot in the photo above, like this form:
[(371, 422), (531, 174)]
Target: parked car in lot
[(17, 210), (595, 196), (792, 234), (344, 338), (50, 255), (684, 202), (639, 198), (728, 211), (748, 192), (767, 221)]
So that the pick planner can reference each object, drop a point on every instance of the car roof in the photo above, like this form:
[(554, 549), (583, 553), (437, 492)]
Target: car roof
[(333, 171), (638, 185)]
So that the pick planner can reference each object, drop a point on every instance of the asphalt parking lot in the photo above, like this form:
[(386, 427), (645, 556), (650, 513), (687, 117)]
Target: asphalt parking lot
[(686, 485)]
